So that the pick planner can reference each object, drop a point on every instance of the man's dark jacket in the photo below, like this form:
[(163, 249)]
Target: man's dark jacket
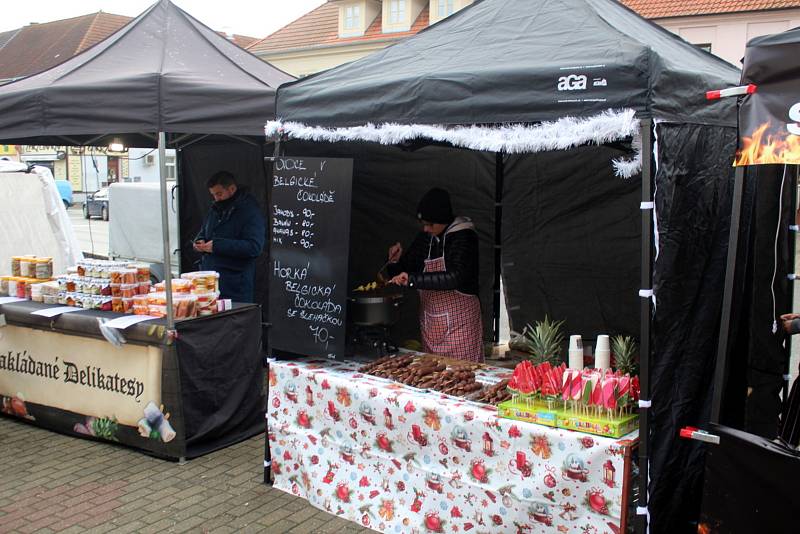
[(237, 228), (460, 256)]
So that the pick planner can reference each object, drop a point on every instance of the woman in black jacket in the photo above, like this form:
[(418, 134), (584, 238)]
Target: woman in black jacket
[(442, 263)]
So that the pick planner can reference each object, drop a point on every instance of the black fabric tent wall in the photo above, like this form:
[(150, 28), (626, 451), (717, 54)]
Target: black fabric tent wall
[(520, 61), (693, 204), (196, 164), (572, 236), (753, 351), (751, 485), (387, 183), (759, 357), (569, 224)]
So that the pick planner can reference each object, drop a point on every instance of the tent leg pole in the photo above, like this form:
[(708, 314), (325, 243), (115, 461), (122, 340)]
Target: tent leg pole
[(270, 161), (498, 240), (646, 316), (162, 170), (787, 371), (721, 370), (267, 452)]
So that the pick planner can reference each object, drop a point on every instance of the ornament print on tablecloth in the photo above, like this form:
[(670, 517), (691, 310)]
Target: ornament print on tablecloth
[(402, 462)]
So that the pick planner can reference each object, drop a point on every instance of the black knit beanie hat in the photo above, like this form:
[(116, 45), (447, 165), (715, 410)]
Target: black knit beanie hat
[(434, 207)]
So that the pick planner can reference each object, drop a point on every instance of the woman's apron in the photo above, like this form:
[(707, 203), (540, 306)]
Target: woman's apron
[(450, 321)]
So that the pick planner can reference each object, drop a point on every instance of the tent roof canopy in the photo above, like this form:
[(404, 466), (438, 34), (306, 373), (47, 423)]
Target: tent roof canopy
[(164, 71), (519, 61), (791, 36), (771, 58)]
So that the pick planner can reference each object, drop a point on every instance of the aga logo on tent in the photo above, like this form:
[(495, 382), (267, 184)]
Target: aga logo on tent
[(573, 82)]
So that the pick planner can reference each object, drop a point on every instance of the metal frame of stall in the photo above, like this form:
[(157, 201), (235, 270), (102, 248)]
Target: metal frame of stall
[(647, 207)]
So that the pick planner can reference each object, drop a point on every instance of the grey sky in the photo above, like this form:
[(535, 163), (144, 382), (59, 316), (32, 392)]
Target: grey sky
[(256, 18)]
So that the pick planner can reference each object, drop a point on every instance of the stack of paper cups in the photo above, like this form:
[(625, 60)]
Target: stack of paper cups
[(602, 353), (575, 352)]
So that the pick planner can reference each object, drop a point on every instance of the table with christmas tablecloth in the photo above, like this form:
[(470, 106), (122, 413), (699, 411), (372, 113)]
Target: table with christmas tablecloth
[(401, 460)]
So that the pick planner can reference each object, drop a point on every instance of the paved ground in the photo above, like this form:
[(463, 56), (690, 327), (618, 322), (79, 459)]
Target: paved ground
[(55, 483), (92, 234)]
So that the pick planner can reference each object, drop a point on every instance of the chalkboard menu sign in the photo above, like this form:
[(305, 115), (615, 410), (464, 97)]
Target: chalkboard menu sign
[(309, 247)]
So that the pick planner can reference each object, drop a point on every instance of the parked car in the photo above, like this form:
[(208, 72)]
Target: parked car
[(96, 204), (65, 191)]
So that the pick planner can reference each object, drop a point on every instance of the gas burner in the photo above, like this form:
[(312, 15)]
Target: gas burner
[(370, 341)]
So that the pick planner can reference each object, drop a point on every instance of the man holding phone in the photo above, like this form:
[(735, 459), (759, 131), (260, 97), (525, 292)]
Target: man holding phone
[(231, 238)]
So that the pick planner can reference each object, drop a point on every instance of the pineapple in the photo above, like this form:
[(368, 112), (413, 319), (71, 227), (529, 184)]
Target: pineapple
[(624, 349), (544, 341)]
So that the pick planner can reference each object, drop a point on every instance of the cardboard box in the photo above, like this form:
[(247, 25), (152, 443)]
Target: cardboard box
[(600, 426), (534, 412)]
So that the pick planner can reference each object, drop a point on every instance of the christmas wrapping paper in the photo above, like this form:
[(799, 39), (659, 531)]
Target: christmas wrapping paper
[(400, 460)]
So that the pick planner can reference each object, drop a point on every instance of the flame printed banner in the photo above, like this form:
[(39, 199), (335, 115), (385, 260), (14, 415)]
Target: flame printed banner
[(403, 461), (769, 119)]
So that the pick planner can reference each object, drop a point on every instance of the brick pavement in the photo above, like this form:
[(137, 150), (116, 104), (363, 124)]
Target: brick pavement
[(55, 483)]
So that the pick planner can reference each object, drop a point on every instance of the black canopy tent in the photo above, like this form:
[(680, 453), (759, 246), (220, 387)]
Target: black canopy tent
[(768, 136), (162, 72), (164, 80), (565, 230), (741, 491)]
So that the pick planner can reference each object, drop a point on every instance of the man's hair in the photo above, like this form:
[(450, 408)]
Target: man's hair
[(223, 178)]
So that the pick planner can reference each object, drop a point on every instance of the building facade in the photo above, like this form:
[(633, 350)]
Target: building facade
[(143, 165), (721, 27), (86, 168), (340, 31)]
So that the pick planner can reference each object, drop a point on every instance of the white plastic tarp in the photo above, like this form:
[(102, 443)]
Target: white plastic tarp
[(135, 222), (33, 219)]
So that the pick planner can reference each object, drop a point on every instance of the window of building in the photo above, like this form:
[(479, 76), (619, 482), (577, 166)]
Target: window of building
[(397, 11), (170, 164), (352, 17), (446, 8), (704, 46)]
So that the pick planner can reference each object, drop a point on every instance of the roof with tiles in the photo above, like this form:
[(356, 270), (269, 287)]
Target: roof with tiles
[(5, 37), (38, 47), (658, 9), (242, 41), (320, 27)]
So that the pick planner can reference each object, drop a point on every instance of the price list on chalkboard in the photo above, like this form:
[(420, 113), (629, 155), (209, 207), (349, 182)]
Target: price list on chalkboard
[(309, 248)]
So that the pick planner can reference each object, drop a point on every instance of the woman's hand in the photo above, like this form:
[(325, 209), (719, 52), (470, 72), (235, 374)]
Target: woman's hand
[(395, 251), (400, 280)]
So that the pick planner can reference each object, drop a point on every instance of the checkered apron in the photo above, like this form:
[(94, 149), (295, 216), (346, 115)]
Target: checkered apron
[(450, 321)]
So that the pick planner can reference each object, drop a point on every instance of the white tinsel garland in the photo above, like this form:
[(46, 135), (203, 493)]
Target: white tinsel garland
[(563, 134), (627, 168)]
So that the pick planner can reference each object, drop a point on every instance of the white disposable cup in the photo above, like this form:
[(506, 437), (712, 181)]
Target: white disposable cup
[(575, 343), (576, 359), (602, 353), (603, 343), (602, 359)]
